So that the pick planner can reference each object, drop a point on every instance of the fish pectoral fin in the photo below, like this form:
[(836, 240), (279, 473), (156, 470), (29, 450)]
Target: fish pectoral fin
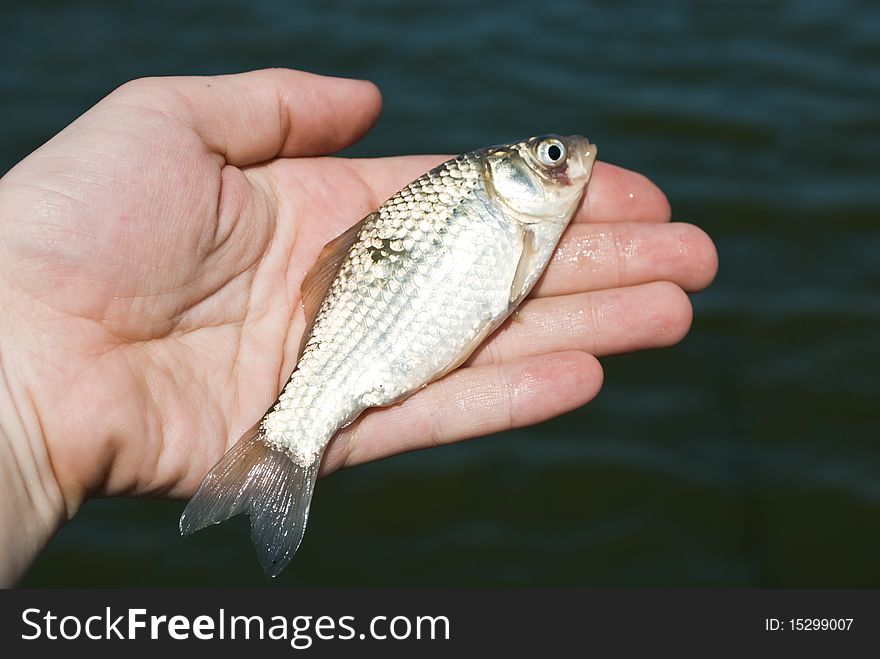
[(528, 262), (320, 276), (269, 486)]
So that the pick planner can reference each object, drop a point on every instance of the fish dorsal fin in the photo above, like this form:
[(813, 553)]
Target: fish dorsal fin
[(320, 276), (524, 268)]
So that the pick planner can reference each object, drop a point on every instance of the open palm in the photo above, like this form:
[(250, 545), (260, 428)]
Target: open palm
[(152, 256)]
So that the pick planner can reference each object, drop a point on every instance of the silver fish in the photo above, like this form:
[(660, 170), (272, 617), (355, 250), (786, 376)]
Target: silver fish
[(397, 301)]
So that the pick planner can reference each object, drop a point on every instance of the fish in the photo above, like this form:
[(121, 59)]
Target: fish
[(397, 301)]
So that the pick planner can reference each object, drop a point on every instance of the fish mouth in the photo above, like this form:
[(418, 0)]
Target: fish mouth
[(582, 157)]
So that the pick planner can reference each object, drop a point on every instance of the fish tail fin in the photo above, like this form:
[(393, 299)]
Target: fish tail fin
[(266, 484)]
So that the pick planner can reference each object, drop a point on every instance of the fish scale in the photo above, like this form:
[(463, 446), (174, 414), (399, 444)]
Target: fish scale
[(449, 277), (396, 302)]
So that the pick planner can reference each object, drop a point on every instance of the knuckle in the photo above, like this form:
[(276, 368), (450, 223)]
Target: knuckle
[(136, 87), (506, 399), (622, 253)]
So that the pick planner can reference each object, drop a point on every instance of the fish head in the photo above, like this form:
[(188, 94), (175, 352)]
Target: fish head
[(540, 179)]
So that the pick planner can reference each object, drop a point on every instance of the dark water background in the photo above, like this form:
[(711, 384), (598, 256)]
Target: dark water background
[(749, 455)]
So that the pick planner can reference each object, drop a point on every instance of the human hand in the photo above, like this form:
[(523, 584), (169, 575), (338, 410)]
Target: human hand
[(151, 256)]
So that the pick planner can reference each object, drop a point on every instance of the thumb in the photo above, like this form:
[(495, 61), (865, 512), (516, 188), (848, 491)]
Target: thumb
[(259, 115)]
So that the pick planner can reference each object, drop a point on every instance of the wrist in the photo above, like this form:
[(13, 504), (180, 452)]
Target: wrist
[(31, 504)]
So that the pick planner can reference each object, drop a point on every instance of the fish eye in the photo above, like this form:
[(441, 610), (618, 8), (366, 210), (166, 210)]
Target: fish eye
[(550, 152)]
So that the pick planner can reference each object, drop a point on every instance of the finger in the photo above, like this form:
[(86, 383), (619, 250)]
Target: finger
[(593, 256), (614, 194), (255, 116), (601, 323), (468, 403)]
